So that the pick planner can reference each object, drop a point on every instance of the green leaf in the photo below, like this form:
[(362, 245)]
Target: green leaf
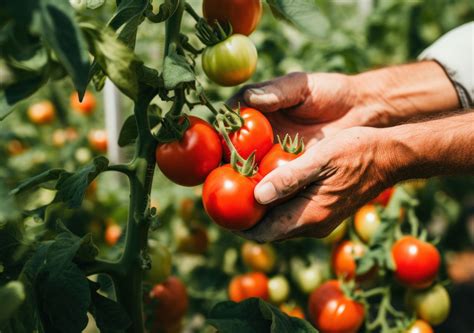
[(109, 315), (254, 315), (129, 132), (12, 295), (72, 186), (176, 71), (127, 18), (303, 14), (49, 175), (87, 250), (165, 10), (60, 32), (364, 264)]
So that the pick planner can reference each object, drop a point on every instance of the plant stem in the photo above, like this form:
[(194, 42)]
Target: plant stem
[(190, 10)]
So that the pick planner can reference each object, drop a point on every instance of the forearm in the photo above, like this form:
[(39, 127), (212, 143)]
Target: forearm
[(432, 148), (393, 95)]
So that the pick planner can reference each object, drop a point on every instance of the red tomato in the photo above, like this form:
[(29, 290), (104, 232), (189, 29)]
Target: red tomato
[(98, 140), (259, 257), (275, 158), (420, 326), (384, 197), (112, 234), (254, 284), (228, 198), (366, 222), (243, 15), (187, 162), (256, 134), (292, 310), (343, 259), (87, 106), (416, 262), (171, 301), (331, 311), (41, 113)]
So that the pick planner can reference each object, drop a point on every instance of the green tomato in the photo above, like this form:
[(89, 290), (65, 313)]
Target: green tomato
[(231, 61), (160, 258), (309, 278), (278, 289), (431, 305)]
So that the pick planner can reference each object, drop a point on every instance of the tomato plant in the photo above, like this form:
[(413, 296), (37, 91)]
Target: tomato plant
[(343, 259), (258, 257), (278, 289), (420, 326), (87, 106), (432, 304), (254, 284), (42, 112), (366, 222)]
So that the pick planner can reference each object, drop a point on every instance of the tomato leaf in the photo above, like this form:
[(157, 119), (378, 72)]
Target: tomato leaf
[(129, 132), (176, 71), (127, 18), (12, 295), (165, 10), (303, 14), (109, 315), (30, 183)]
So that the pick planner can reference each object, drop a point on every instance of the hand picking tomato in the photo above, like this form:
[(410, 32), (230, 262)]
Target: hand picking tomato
[(331, 311), (343, 259), (416, 262), (42, 112), (98, 140), (171, 300), (231, 61), (432, 304), (258, 257), (256, 134), (292, 310), (420, 326), (188, 161), (366, 222), (384, 197), (228, 198), (278, 289), (254, 284), (243, 15), (87, 106), (280, 154)]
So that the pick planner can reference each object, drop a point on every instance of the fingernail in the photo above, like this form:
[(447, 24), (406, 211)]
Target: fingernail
[(256, 91), (266, 193)]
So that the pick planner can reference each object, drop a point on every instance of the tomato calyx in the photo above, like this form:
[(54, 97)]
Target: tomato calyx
[(172, 128), (212, 35), (291, 145)]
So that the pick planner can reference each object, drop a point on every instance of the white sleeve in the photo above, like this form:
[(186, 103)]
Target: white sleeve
[(455, 52)]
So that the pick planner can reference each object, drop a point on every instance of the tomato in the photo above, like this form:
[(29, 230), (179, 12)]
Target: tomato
[(258, 257), (243, 15), (275, 158), (15, 147), (256, 134), (278, 289), (308, 278), (98, 140), (196, 242), (171, 300), (112, 234), (384, 197), (187, 209), (254, 284), (228, 198), (420, 326), (432, 304), (337, 234), (87, 106), (366, 222), (41, 113), (231, 61), (343, 259), (416, 262), (160, 258), (188, 161), (292, 310), (332, 311)]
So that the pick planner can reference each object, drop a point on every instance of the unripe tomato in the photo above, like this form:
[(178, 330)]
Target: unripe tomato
[(308, 278), (98, 140), (420, 326), (15, 147), (331, 311), (228, 198), (196, 242), (171, 300), (231, 61), (278, 289), (255, 135), (87, 106), (337, 234), (41, 113), (343, 259), (112, 234), (416, 262), (188, 161), (384, 197), (160, 258), (292, 310), (366, 222), (432, 304), (258, 257), (276, 157), (243, 15), (254, 284)]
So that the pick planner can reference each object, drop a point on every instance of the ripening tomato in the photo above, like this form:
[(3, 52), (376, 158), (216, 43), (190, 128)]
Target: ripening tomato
[(416, 262), (366, 222), (15, 147), (332, 311), (278, 289), (276, 157), (343, 259), (231, 61), (243, 15), (41, 113), (98, 140), (171, 300), (160, 258), (258, 257), (420, 326), (112, 234), (188, 161), (256, 134), (187, 209), (195, 242), (384, 197), (254, 284), (292, 310), (431, 304), (228, 198), (87, 106)]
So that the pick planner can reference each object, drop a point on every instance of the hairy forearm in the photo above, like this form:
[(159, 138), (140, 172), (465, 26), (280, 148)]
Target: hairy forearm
[(432, 148), (393, 95)]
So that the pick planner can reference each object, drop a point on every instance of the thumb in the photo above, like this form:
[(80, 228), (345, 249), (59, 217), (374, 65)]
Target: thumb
[(280, 93)]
